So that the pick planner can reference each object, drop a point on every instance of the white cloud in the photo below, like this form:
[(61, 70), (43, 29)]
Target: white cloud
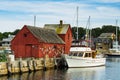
[(109, 1), (52, 12)]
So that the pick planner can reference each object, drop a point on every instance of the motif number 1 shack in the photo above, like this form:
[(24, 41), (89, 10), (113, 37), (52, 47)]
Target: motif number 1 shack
[(37, 42)]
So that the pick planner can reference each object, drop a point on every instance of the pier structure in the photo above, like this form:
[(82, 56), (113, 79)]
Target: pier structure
[(27, 65)]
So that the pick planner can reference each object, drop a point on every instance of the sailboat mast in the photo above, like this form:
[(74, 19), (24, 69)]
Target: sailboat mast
[(88, 33), (77, 22), (116, 35)]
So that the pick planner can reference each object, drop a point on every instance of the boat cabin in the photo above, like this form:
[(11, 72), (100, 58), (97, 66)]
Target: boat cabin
[(83, 54)]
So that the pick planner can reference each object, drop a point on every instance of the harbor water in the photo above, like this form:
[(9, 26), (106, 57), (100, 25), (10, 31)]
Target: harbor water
[(109, 72)]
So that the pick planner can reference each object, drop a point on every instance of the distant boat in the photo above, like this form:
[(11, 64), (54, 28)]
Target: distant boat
[(115, 51)]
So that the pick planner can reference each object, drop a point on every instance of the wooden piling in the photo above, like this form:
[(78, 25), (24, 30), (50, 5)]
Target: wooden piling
[(23, 66), (27, 65), (3, 68), (49, 62), (30, 65), (13, 67), (38, 64)]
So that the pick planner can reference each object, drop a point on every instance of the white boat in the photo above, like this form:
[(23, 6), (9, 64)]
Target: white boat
[(83, 56), (80, 57)]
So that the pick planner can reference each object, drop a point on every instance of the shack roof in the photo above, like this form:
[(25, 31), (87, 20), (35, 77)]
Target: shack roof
[(60, 29), (45, 35), (106, 35)]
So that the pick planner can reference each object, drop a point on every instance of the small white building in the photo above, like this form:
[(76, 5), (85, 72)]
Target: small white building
[(6, 43)]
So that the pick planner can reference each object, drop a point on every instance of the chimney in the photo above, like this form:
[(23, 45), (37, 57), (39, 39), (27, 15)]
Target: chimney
[(61, 23)]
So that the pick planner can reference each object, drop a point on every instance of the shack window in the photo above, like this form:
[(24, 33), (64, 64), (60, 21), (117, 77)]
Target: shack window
[(25, 35)]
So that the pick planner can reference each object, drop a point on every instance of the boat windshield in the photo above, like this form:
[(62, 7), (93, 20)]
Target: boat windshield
[(75, 54), (79, 54)]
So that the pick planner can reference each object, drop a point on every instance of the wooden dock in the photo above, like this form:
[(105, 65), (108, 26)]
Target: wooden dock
[(26, 65)]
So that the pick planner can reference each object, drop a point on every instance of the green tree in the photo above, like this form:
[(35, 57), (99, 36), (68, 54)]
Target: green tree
[(96, 32), (108, 29), (5, 34), (1, 36), (15, 32), (81, 32)]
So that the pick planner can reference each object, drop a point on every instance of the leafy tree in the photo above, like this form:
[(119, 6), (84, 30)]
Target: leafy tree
[(5, 34), (15, 32), (81, 32), (108, 29), (3, 58), (96, 32), (74, 32), (1, 36)]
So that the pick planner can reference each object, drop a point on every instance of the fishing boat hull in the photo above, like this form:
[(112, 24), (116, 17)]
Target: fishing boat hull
[(75, 62)]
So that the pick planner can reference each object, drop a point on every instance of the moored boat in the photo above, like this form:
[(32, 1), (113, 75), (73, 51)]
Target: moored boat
[(115, 51), (83, 57)]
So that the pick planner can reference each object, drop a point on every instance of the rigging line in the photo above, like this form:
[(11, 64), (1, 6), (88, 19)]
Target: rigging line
[(87, 28)]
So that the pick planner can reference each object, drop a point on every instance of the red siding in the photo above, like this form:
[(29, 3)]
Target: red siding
[(25, 45), (22, 43), (53, 50), (67, 38)]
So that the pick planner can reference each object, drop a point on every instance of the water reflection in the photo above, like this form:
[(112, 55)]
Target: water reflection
[(109, 72), (94, 73), (112, 69), (116, 60), (38, 75)]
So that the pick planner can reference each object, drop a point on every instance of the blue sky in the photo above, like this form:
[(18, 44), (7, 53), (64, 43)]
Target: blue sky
[(14, 14)]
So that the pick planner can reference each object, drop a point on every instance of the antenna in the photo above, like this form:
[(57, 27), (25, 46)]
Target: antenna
[(77, 22), (34, 20)]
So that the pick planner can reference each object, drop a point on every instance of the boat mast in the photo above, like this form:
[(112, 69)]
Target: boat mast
[(77, 22), (116, 36), (88, 32)]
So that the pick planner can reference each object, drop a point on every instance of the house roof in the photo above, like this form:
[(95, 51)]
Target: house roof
[(45, 35), (103, 40), (106, 35), (59, 28)]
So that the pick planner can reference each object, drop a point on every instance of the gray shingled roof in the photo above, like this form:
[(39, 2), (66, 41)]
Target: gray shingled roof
[(103, 40), (106, 35), (45, 35), (57, 28)]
